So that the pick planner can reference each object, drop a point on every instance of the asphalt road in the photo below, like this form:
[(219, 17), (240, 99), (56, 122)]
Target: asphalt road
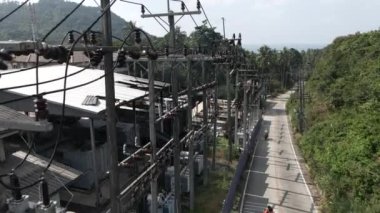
[(274, 176)]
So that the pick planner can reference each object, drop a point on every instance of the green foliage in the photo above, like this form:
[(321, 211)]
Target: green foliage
[(280, 67), (342, 145), (48, 13)]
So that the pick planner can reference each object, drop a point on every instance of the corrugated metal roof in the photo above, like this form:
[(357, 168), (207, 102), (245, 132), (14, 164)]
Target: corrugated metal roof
[(11, 119), (75, 97), (57, 175)]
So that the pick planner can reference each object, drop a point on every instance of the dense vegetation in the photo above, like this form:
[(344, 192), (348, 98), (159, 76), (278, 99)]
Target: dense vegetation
[(47, 14), (342, 143)]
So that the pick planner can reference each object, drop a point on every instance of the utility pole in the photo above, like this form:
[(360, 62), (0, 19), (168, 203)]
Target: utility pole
[(110, 108), (190, 128), (174, 80), (174, 76), (236, 106), (152, 133), (224, 29), (228, 76), (301, 100), (215, 116), (205, 123), (245, 103)]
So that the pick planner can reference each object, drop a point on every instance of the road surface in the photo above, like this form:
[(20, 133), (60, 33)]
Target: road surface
[(274, 176)]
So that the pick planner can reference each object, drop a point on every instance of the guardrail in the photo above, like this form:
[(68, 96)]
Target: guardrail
[(229, 201)]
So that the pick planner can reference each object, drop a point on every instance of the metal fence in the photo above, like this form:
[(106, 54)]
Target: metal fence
[(229, 201)]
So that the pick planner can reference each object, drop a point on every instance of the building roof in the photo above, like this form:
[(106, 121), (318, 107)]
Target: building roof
[(57, 176), (11, 119), (74, 98)]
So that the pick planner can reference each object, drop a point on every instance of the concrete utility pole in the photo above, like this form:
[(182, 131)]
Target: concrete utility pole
[(205, 123), (110, 109), (152, 133), (177, 166), (224, 29), (236, 106), (301, 100), (229, 132), (245, 112), (215, 116), (190, 128), (174, 80)]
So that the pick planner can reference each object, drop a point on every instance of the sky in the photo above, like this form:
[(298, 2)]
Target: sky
[(271, 22)]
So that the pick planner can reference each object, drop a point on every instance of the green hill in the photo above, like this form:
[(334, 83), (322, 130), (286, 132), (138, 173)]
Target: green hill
[(48, 14), (342, 143)]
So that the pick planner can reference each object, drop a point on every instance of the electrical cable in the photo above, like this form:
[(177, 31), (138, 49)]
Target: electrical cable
[(63, 20), (13, 11), (45, 82), (30, 146), (105, 9), (63, 102), (25, 69), (30, 68)]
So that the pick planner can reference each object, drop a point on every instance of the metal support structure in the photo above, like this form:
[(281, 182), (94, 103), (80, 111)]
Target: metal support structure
[(190, 128), (110, 109), (94, 164), (229, 132), (152, 133), (215, 116), (205, 123)]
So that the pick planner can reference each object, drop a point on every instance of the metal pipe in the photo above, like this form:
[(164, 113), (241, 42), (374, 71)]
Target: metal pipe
[(137, 152), (134, 183), (200, 88)]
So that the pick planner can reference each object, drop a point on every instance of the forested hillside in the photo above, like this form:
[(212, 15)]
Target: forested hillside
[(342, 143), (47, 14)]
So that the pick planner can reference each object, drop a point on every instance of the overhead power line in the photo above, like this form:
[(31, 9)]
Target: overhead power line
[(63, 20), (64, 90), (13, 11)]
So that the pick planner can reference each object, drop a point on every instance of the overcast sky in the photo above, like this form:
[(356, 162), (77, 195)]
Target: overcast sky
[(270, 22)]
